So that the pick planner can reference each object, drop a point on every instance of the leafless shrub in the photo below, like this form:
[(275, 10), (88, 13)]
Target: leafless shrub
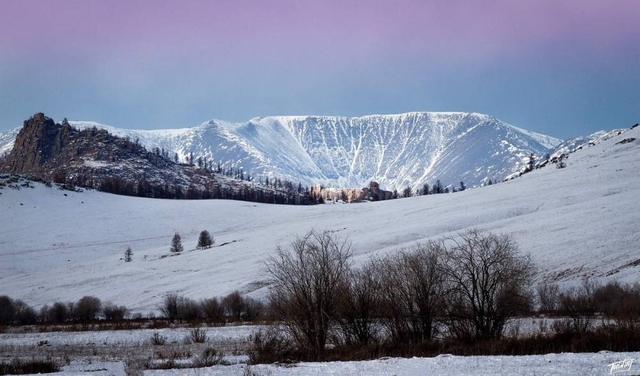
[(358, 306), (33, 366), (548, 297), (578, 305), (208, 358), (198, 335), (212, 310), (411, 289), (271, 345), (158, 339)]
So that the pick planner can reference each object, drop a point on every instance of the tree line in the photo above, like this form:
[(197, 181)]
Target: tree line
[(453, 295)]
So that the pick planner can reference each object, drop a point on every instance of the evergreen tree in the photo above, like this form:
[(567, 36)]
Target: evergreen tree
[(176, 244), (531, 164), (128, 255), (561, 163), (205, 240), (437, 187)]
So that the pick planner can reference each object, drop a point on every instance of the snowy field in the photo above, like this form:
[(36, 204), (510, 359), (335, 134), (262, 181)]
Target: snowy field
[(117, 352), (442, 365), (580, 221)]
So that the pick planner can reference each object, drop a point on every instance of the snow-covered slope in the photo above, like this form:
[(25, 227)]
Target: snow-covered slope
[(583, 220), (395, 150), (7, 139)]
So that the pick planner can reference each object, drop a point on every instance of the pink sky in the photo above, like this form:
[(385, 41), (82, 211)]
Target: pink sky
[(116, 46)]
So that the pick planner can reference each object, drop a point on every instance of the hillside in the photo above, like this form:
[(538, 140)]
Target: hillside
[(580, 221), (395, 150), (93, 158)]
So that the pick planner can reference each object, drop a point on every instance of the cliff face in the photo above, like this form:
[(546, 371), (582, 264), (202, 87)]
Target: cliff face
[(37, 145)]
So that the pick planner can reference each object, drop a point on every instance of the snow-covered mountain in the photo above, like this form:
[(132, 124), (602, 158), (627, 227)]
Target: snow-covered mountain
[(396, 150), (576, 222)]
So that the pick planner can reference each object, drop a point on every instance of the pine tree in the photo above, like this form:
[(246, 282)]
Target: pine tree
[(205, 240), (128, 254), (532, 163), (176, 244), (561, 163)]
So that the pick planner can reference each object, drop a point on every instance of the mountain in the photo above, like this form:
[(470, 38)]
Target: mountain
[(94, 158), (396, 150), (579, 221)]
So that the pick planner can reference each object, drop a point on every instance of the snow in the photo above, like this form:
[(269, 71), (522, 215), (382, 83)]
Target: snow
[(55, 245), (443, 365), (350, 152), (580, 221), (125, 337)]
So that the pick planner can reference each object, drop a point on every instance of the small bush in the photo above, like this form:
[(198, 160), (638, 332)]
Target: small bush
[(270, 346), (24, 367), (209, 357), (158, 339), (198, 335)]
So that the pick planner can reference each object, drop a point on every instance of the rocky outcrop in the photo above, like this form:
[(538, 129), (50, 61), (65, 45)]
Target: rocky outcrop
[(93, 158)]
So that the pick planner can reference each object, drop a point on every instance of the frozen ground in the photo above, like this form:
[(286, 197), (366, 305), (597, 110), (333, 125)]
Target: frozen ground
[(443, 365), (56, 245), (537, 365), (116, 352)]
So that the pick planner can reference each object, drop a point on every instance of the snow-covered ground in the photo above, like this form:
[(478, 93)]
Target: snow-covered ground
[(113, 352), (580, 221), (535, 365), (583, 220), (126, 337)]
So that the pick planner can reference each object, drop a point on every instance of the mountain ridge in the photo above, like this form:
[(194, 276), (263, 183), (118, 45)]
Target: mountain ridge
[(397, 150)]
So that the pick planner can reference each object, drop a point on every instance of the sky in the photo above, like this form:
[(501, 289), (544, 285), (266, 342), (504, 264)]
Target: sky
[(559, 67)]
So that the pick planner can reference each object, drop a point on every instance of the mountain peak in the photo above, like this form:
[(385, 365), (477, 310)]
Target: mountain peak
[(397, 150)]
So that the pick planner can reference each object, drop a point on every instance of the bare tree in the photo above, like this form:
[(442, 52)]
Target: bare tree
[(578, 304), (176, 244), (87, 308), (358, 306), (57, 314), (7, 310), (113, 312), (234, 305), (488, 282), (306, 280), (548, 297), (169, 307), (212, 310), (412, 290)]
